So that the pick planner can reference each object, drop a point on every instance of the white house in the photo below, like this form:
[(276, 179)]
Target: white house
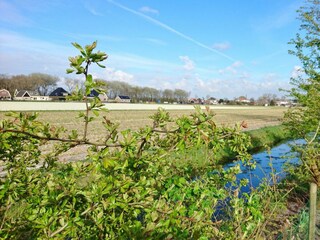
[(25, 95), (22, 95), (122, 99), (102, 96), (283, 103)]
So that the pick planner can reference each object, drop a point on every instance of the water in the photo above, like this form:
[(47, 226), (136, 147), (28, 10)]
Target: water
[(276, 157)]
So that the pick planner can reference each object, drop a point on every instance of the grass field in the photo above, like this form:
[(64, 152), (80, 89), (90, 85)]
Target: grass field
[(134, 119)]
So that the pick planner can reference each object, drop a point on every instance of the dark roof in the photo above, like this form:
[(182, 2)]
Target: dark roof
[(23, 93), (33, 93), (123, 97), (93, 93), (59, 92)]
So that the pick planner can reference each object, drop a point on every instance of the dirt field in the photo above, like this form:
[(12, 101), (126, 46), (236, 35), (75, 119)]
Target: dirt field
[(77, 106), (256, 117)]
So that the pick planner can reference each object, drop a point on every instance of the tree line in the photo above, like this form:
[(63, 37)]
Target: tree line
[(137, 93), (43, 84)]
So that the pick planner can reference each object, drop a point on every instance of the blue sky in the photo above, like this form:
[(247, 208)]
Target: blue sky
[(217, 48)]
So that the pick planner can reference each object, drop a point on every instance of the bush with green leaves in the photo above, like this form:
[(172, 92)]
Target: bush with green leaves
[(159, 182), (304, 120)]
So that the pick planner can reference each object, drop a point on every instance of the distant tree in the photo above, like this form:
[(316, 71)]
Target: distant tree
[(272, 102), (43, 83), (72, 84), (221, 101), (266, 99), (5, 83), (116, 88), (150, 94), (136, 93), (167, 95), (181, 95), (22, 82)]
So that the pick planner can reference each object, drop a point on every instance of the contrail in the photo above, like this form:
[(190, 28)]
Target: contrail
[(170, 29)]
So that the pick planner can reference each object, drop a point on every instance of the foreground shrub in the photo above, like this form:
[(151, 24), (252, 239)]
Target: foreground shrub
[(155, 183)]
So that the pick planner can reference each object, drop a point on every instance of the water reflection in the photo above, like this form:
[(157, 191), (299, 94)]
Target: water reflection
[(266, 163)]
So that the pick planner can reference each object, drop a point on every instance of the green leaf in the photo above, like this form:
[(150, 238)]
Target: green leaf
[(69, 70), (95, 112), (89, 78), (100, 65), (79, 48), (154, 216)]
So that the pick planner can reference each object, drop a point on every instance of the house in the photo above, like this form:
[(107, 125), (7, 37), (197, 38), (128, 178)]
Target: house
[(102, 96), (122, 99), (211, 101), (40, 98), (35, 96), (5, 94), (242, 99), (59, 94), (283, 103), (29, 95), (196, 101), (22, 95), (193, 101)]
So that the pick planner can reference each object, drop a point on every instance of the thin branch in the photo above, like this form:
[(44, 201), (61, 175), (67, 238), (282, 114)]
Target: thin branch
[(4, 216), (144, 141), (165, 131), (64, 226), (86, 120), (59, 230), (76, 142), (315, 134)]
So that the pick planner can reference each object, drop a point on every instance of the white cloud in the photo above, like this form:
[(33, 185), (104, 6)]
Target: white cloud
[(12, 40), (236, 87), (221, 46), (24, 55), (138, 62), (232, 69), (146, 9), (188, 63), (182, 83), (296, 71), (111, 74)]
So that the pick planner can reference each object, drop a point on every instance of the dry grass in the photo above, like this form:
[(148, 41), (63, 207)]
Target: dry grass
[(255, 118)]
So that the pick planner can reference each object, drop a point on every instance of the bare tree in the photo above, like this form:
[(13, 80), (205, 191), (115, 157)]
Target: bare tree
[(43, 83), (72, 84)]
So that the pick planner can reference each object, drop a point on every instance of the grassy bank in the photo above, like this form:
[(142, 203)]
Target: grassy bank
[(260, 139), (267, 136)]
